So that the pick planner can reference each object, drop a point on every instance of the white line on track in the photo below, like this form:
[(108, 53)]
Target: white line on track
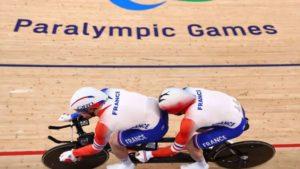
[(19, 91)]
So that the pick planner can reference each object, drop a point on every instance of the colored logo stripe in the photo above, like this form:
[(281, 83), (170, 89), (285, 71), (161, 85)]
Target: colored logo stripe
[(130, 5), (195, 0)]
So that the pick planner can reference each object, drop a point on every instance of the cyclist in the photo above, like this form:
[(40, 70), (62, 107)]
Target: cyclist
[(125, 119), (221, 115)]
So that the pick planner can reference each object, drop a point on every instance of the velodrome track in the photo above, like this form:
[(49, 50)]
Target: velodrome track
[(41, 66)]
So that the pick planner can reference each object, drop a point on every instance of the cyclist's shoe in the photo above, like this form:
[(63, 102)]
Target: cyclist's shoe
[(121, 166), (196, 165)]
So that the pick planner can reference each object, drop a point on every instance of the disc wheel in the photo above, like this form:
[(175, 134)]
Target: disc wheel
[(51, 159), (244, 154)]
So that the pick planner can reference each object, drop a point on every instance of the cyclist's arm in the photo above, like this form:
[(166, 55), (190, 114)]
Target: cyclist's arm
[(102, 133), (187, 128)]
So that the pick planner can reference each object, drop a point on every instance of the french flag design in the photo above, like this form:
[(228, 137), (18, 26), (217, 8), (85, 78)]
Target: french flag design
[(97, 146), (177, 147)]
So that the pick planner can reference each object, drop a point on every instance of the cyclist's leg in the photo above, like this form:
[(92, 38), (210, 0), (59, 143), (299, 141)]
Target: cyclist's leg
[(120, 140), (196, 153), (118, 150)]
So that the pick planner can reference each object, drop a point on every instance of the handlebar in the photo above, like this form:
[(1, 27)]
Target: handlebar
[(77, 121), (59, 127), (57, 141)]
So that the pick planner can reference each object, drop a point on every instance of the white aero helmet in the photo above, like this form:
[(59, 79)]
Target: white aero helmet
[(86, 97), (175, 100)]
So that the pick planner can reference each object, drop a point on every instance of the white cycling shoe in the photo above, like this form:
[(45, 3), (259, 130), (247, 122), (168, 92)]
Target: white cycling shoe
[(121, 166), (195, 165)]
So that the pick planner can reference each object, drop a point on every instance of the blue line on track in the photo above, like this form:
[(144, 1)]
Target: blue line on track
[(148, 66)]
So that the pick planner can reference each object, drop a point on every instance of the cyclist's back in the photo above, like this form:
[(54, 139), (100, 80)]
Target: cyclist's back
[(129, 110), (214, 108)]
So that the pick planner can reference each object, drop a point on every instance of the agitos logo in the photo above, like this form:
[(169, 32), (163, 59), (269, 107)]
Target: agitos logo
[(131, 5)]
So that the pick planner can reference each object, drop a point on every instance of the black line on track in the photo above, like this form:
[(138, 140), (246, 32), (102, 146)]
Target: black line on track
[(147, 66)]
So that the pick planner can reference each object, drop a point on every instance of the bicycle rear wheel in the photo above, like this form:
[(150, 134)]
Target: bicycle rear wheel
[(51, 159), (244, 154)]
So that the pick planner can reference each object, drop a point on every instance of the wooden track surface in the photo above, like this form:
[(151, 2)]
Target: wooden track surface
[(27, 47), (33, 98)]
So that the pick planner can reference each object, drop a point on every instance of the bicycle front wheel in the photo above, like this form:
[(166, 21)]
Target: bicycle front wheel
[(51, 159)]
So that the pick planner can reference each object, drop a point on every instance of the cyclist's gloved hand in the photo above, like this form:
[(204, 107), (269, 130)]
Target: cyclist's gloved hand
[(67, 157), (65, 118), (143, 156)]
